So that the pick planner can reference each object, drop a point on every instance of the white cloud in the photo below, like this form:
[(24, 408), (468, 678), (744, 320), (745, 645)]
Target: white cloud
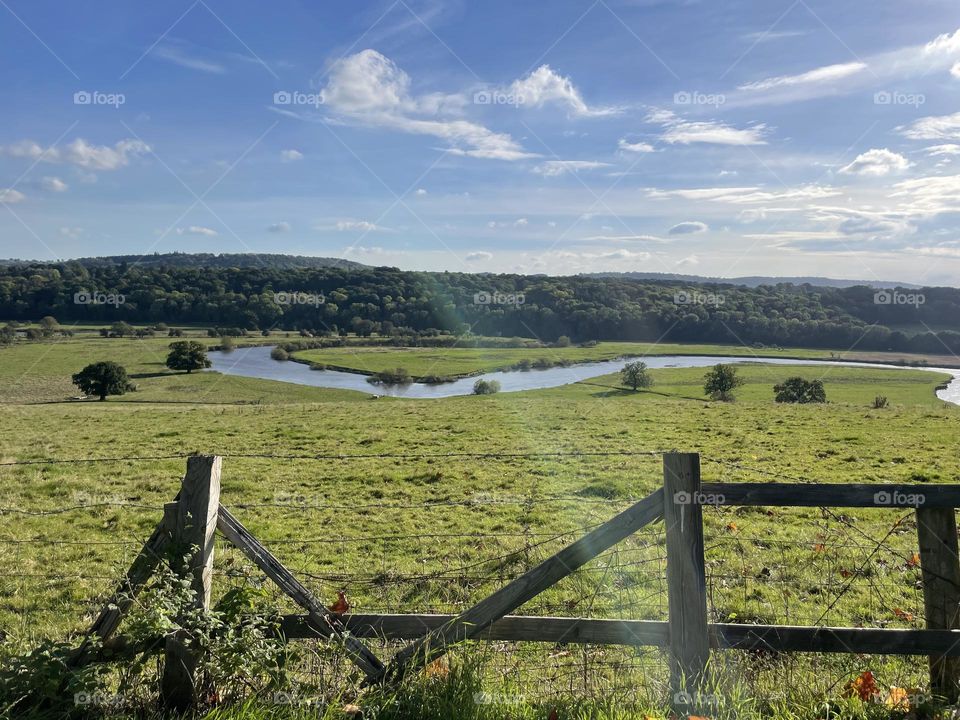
[(935, 127), (955, 70), (478, 256), (772, 35), (53, 184), (71, 233), (197, 230), (9, 196), (178, 55), (686, 132), (356, 225), (544, 86), (291, 155), (876, 163), (281, 227), (888, 68), (819, 75), (747, 195), (369, 89), (625, 238), (637, 147), (943, 150), (522, 222), (692, 227), (553, 168), (81, 153), (420, 192)]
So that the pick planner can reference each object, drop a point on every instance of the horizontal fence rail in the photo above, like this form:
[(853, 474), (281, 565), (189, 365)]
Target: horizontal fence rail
[(190, 520)]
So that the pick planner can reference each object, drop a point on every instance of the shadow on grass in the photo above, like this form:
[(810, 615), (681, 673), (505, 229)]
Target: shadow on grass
[(616, 391)]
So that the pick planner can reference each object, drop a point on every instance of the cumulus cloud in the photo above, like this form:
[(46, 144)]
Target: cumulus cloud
[(356, 225), (553, 168), (955, 70), (692, 227), (81, 153), (197, 230), (635, 147), (478, 256), (9, 196), (420, 192), (280, 227), (685, 132), (291, 155), (934, 127), (544, 86), (876, 163), (368, 88), (53, 184)]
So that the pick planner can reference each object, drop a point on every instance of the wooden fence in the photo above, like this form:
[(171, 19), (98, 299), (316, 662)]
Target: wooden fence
[(190, 521)]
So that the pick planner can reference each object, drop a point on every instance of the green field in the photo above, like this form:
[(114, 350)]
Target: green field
[(384, 528)]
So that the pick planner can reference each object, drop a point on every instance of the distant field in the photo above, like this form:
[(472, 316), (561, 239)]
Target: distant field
[(421, 362)]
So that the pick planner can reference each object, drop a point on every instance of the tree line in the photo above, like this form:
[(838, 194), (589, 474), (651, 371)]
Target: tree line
[(389, 301)]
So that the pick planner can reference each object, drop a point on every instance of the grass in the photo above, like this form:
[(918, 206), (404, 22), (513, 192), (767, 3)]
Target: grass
[(348, 524)]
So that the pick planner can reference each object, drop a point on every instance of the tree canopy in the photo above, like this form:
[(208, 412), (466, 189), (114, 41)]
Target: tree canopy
[(798, 390), (187, 355), (102, 379)]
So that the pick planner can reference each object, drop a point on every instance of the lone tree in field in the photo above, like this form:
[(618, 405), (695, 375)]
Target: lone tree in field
[(634, 375), (102, 379), (720, 382), (798, 390), (187, 355)]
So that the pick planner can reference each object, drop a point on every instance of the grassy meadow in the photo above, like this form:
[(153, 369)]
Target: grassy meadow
[(401, 531)]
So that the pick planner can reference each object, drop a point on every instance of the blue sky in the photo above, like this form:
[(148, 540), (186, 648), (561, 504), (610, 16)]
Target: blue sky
[(737, 138)]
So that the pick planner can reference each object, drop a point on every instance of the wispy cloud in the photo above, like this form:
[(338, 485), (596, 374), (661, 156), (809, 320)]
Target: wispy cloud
[(680, 131)]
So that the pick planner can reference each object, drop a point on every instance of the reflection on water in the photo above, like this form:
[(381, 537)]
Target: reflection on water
[(256, 362)]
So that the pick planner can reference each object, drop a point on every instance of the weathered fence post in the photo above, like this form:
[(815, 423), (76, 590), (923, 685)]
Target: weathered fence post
[(937, 535), (686, 579), (193, 524)]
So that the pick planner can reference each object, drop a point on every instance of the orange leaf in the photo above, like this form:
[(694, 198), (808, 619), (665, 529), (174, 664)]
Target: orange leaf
[(903, 614), (341, 606), (914, 560), (437, 669), (864, 686), (898, 698), (732, 526), (845, 573), (819, 547)]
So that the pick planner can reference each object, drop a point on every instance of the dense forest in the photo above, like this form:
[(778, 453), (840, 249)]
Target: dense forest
[(324, 300)]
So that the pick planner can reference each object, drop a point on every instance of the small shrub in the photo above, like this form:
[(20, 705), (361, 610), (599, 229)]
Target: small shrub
[(798, 390), (399, 376), (278, 353), (634, 375), (880, 402), (486, 387), (720, 382)]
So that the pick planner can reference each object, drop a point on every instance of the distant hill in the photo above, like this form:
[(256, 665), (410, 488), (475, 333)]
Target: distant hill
[(207, 260), (755, 280)]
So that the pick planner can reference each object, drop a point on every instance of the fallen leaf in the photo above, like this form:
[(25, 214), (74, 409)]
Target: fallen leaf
[(437, 669), (844, 573), (819, 547), (351, 709), (341, 606), (864, 686), (914, 560), (732, 526), (903, 614)]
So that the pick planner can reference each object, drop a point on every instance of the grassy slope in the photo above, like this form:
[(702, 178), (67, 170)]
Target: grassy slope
[(842, 442)]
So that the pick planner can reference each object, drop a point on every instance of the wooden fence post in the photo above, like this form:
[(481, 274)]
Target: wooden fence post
[(937, 535), (686, 579), (193, 522)]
